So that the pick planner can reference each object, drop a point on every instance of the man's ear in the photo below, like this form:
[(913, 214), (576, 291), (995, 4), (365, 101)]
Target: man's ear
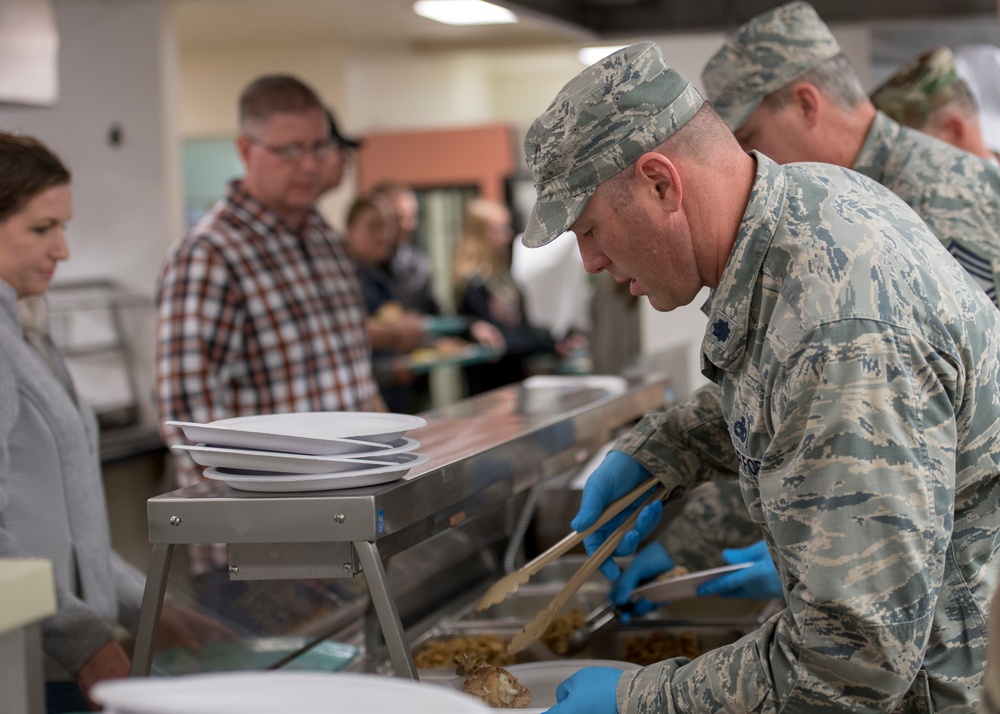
[(953, 130), (807, 102), (243, 145), (658, 175)]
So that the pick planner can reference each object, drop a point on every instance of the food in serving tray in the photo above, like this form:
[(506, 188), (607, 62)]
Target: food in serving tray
[(659, 646), (676, 572), (443, 652), (557, 634), (494, 685)]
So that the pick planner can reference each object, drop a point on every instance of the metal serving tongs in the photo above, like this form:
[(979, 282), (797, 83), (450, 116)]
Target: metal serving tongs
[(595, 620), (534, 629), (510, 582)]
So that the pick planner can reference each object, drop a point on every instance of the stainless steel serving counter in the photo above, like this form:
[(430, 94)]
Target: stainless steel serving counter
[(483, 453)]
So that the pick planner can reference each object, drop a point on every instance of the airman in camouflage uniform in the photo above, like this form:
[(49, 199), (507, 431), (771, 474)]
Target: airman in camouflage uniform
[(928, 94), (855, 367), (955, 195), (958, 195)]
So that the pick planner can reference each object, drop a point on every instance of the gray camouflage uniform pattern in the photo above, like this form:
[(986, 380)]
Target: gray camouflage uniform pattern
[(713, 517), (578, 140), (956, 193), (856, 368)]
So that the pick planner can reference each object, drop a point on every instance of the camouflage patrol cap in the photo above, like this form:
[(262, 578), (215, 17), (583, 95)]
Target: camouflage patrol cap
[(922, 85), (600, 123), (767, 53)]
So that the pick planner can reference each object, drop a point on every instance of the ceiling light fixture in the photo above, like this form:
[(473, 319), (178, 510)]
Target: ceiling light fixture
[(464, 12), (590, 55)]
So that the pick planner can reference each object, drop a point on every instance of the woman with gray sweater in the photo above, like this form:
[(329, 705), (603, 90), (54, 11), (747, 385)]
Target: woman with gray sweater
[(51, 495)]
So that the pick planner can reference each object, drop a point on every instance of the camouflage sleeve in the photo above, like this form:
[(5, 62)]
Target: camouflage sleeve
[(854, 493), (713, 517), (685, 445)]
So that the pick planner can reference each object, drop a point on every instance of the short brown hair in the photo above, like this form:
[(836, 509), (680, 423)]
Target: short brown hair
[(273, 94), (27, 167), (361, 204)]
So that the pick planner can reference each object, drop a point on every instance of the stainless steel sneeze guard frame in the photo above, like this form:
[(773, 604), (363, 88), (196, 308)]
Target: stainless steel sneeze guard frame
[(483, 451)]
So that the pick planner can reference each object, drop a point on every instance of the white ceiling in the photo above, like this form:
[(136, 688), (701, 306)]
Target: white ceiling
[(210, 23)]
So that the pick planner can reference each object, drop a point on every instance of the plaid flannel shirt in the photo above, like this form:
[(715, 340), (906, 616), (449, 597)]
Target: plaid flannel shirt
[(254, 318)]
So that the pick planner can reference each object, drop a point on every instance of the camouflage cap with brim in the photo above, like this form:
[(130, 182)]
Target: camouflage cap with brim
[(922, 85), (600, 123), (764, 55)]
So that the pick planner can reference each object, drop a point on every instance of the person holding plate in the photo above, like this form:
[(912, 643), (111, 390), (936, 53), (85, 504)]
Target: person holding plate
[(51, 493)]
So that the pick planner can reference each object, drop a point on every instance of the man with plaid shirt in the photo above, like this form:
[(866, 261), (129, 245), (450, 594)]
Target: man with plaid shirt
[(259, 308)]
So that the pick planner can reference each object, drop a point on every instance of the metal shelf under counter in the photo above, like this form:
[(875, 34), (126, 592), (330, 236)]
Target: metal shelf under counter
[(484, 452)]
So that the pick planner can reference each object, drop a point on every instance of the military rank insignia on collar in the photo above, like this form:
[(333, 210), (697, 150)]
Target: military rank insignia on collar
[(722, 329)]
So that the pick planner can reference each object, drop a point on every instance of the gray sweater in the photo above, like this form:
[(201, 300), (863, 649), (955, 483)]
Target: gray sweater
[(52, 500)]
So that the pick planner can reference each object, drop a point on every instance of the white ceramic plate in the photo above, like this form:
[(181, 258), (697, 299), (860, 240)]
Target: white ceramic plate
[(683, 586), (271, 692), (322, 433), (543, 679), (273, 482), (224, 457)]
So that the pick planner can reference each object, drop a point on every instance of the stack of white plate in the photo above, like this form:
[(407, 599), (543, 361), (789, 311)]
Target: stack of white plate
[(304, 451)]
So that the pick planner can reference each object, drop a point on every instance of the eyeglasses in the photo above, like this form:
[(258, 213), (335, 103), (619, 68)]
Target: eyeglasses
[(296, 152)]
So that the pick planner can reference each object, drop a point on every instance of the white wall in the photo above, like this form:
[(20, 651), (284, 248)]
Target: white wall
[(212, 79), (116, 66)]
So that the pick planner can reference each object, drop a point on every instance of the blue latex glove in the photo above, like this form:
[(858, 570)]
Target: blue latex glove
[(617, 475), (592, 690), (651, 562), (758, 582)]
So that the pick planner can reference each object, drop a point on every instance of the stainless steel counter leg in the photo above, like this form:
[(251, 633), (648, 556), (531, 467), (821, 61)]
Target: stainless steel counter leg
[(152, 604), (385, 608)]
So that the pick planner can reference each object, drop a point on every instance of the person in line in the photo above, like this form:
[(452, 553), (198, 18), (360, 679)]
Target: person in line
[(409, 270), (854, 367), (784, 87), (259, 307), (394, 331), (51, 492), (485, 290), (409, 266), (928, 95)]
